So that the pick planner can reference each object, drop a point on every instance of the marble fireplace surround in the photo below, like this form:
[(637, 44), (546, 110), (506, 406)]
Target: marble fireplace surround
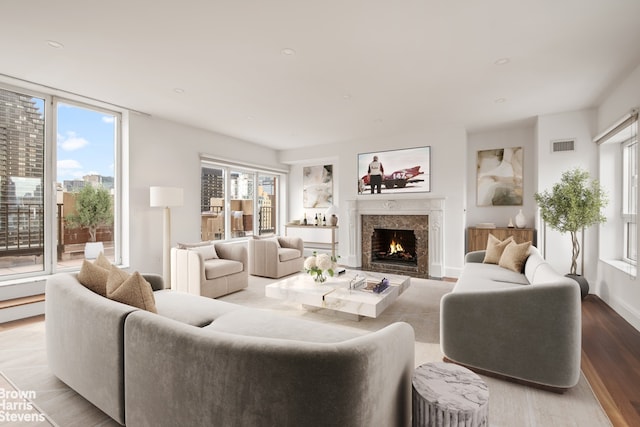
[(433, 207)]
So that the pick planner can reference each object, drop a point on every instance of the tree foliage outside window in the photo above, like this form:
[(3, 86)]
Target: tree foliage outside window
[(93, 209)]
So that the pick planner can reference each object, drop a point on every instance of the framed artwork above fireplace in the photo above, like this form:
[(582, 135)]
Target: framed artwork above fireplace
[(406, 170)]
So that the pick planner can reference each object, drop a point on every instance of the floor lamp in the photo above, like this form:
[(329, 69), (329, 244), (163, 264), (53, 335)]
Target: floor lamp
[(166, 197)]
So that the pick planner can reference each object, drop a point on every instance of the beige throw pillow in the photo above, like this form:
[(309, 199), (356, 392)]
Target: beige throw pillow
[(102, 261), (207, 252), (514, 256), (495, 247), (131, 289), (94, 277)]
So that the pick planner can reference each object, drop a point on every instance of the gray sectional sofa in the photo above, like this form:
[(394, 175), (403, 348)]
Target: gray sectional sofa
[(203, 362), (524, 326)]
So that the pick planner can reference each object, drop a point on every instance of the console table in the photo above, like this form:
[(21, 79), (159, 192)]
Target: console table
[(314, 234), (477, 237)]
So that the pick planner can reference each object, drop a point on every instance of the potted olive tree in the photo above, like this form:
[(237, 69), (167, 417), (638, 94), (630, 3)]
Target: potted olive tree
[(93, 209), (573, 204)]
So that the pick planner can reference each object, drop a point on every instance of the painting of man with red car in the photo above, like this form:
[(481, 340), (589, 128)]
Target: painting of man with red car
[(398, 171)]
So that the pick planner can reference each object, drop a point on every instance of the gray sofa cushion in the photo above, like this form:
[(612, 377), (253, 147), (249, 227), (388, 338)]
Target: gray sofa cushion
[(256, 323), (191, 309), (477, 276), (214, 268)]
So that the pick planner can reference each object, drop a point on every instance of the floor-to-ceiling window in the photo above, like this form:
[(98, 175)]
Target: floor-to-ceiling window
[(22, 183), (86, 157), (237, 202), (267, 206), (50, 150)]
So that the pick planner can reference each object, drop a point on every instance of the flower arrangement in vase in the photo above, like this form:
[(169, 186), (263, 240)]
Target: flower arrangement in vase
[(317, 265)]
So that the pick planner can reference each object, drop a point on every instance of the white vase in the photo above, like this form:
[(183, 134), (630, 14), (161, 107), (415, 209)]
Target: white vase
[(93, 249), (521, 221)]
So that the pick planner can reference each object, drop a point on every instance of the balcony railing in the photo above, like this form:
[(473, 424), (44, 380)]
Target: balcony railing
[(21, 229)]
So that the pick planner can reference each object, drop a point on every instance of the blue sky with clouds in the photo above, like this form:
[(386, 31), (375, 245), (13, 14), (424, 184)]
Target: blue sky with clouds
[(85, 143)]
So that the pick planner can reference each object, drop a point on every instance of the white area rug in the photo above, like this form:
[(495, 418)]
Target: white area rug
[(510, 405), (23, 362)]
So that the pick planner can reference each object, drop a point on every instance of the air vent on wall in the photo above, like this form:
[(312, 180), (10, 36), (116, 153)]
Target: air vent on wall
[(563, 145)]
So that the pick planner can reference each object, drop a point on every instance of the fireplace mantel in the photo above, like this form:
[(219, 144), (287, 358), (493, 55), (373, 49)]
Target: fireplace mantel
[(433, 207)]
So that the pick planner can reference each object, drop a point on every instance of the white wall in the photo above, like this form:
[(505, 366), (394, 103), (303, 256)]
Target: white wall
[(168, 154), (616, 288), (578, 125), (449, 171), (522, 136)]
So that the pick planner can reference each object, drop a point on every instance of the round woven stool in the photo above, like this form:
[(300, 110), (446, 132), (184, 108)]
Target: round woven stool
[(446, 394)]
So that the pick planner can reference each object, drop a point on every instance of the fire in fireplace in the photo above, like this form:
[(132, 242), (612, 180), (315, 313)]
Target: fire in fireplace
[(397, 246)]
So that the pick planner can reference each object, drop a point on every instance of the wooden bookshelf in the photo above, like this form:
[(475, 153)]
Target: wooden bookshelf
[(477, 237)]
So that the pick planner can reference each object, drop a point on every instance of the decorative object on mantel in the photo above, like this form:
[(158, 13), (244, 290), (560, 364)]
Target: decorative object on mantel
[(572, 205), (521, 220), (389, 204), (319, 264), (510, 225)]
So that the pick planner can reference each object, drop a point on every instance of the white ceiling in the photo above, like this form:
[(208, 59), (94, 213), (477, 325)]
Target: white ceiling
[(362, 68)]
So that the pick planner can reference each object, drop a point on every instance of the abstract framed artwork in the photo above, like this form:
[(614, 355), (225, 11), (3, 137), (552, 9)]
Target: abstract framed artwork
[(317, 186), (499, 177), (406, 170)]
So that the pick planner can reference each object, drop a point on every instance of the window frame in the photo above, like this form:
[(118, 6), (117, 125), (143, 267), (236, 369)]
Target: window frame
[(629, 198), (616, 246), (52, 98), (117, 169), (228, 169)]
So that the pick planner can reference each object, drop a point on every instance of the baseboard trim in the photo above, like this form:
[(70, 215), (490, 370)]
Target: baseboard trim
[(22, 311)]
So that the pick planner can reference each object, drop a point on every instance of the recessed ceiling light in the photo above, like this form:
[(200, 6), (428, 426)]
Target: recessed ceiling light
[(502, 61), (249, 117), (178, 90), (346, 96), (54, 44), (500, 100), (288, 51)]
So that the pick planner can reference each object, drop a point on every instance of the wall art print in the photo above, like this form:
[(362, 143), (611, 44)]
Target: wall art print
[(405, 170), (317, 186), (500, 177)]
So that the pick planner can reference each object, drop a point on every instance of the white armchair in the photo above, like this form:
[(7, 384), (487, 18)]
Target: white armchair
[(210, 269), (275, 257)]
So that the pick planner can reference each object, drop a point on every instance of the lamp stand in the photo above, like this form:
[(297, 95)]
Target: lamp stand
[(166, 247)]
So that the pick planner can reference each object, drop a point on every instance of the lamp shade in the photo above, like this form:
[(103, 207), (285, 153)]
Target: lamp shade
[(165, 196)]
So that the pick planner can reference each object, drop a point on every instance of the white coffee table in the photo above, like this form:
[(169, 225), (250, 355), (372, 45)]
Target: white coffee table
[(334, 294)]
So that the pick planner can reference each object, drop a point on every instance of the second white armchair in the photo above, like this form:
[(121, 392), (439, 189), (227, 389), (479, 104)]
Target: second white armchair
[(275, 257)]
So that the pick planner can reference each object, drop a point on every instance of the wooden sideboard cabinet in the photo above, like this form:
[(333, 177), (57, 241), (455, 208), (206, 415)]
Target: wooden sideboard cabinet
[(477, 237)]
